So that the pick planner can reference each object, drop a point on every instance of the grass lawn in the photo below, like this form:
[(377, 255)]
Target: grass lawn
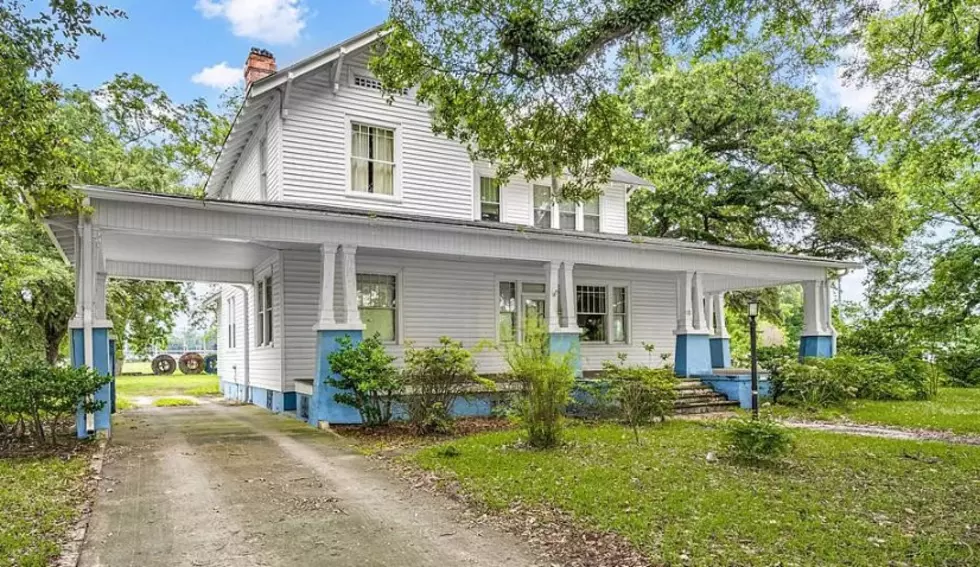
[(839, 499), (39, 499), (173, 402), (129, 386), (144, 367), (954, 409)]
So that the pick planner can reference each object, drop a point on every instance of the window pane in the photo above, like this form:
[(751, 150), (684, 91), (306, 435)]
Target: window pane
[(383, 179), (507, 311), (591, 207), (507, 297), (593, 327), (591, 224), (566, 221), (489, 190), (372, 159), (268, 293), (259, 328), (542, 197), (533, 288), (379, 322), (507, 323), (619, 328), (542, 218), (591, 307), (268, 327), (375, 291), (619, 300)]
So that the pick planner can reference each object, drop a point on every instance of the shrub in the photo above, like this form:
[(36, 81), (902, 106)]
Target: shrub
[(811, 385), (961, 365), (547, 381), (39, 400), (772, 359), (437, 377), (367, 378), (641, 394), (757, 440), (922, 378)]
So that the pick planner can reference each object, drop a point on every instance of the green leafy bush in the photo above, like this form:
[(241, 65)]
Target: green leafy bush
[(810, 385), (39, 401), (435, 378), (772, 359), (547, 381), (757, 440), (961, 365), (641, 394), (368, 380), (921, 377)]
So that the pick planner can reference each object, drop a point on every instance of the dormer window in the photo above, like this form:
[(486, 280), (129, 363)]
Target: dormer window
[(372, 159)]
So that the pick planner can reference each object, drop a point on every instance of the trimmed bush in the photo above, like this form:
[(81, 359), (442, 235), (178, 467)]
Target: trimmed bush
[(368, 379), (437, 377), (757, 440)]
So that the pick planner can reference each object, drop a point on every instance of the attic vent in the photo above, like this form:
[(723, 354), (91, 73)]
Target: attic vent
[(372, 83)]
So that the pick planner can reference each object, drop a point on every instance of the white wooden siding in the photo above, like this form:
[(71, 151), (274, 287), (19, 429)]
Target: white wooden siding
[(459, 299), (274, 150), (231, 361), (244, 184)]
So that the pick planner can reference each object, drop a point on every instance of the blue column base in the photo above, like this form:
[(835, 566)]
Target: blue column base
[(103, 364), (819, 346), (721, 352), (738, 388), (692, 355), (563, 342), (323, 408)]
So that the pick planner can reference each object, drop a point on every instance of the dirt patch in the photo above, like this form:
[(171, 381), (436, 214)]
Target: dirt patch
[(397, 437), (886, 432)]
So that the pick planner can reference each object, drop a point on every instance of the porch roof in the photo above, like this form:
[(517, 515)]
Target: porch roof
[(233, 235)]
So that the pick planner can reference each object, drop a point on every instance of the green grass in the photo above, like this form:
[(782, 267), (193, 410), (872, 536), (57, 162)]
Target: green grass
[(173, 402), (839, 499), (209, 390), (123, 404), (144, 368), (39, 500), (953, 409), (131, 386)]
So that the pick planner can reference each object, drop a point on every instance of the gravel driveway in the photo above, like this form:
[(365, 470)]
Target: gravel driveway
[(221, 485)]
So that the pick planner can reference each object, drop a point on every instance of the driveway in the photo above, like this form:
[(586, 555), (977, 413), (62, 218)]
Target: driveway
[(221, 485)]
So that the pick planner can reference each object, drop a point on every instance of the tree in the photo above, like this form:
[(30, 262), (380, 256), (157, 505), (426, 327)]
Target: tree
[(530, 86)]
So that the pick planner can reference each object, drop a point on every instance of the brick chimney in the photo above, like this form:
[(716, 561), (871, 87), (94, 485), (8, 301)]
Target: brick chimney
[(260, 63)]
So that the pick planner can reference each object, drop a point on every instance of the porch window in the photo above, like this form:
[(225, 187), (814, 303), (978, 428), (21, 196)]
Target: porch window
[(542, 206), (232, 315), (507, 311), (619, 332), (591, 312), (590, 215), (372, 159), (263, 311), (377, 302), (489, 199), (566, 215)]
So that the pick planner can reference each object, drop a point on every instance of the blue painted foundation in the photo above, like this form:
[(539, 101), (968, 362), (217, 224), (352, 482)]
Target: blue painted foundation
[(692, 355), (103, 364), (323, 407), (721, 352), (737, 388), (562, 343), (820, 346), (271, 400)]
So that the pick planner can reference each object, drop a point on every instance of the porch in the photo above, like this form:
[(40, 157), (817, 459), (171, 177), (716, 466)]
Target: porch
[(297, 277)]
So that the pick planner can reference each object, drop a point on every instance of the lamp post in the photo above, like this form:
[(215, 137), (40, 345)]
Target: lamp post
[(753, 313)]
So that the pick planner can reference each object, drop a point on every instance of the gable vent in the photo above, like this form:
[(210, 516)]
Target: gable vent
[(372, 83)]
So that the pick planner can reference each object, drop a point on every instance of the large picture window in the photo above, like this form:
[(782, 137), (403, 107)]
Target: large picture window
[(263, 312), (377, 302), (372, 159), (489, 199), (542, 206)]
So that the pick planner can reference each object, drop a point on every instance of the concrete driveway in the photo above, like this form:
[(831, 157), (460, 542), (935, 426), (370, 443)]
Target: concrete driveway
[(220, 485)]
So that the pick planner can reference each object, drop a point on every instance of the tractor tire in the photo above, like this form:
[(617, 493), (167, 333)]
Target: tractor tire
[(164, 365), (211, 364), (191, 363)]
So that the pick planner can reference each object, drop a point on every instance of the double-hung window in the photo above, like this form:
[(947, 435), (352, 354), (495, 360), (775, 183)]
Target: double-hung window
[(489, 199), (377, 302), (590, 215), (542, 206), (601, 313), (232, 315), (263, 311), (372, 159), (566, 215)]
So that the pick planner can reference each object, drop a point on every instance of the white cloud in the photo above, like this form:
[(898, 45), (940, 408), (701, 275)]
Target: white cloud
[(837, 89), (219, 76), (271, 21)]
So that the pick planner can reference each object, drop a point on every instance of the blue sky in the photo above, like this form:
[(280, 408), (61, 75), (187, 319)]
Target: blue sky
[(168, 42)]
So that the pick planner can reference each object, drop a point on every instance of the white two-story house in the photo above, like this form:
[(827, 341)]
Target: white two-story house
[(331, 212)]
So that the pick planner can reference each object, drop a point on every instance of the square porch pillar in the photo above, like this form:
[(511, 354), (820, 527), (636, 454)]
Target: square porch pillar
[(817, 338), (564, 340), (692, 346), (101, 363), (721, 343), (323, 408)]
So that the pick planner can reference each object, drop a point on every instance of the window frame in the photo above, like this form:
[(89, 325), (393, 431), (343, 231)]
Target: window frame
[(556, 213), (535, 209), (396, 128), (263, 150), (479, 197), (399, 301), (610, 287), (518, 304), (231, 322), (264, 293)]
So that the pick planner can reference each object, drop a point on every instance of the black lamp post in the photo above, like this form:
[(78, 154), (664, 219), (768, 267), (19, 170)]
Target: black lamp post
[(753, 313)]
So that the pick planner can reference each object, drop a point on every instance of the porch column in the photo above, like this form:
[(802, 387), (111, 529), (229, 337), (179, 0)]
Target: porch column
[(564, 339), (721, 344), (553, 295), (323, 409), (692, 350), (89, 329), (816, 339)]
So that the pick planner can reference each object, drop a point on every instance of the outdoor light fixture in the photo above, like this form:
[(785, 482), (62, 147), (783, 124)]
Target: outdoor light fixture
[(753, 313)]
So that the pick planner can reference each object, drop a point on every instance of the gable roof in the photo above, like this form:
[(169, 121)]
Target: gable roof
[(261, 93)]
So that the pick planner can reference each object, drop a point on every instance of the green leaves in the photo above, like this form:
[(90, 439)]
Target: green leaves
[(366, 377)]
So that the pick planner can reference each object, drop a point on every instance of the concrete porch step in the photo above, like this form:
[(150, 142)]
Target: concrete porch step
[(717, 406), (702, 399)]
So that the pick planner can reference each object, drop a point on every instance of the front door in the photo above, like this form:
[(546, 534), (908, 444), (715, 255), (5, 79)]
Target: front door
[(534, 304)]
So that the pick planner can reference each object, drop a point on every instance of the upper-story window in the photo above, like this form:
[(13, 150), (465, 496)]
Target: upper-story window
[(542, 206), (372, 159), (566, 215), (489, 199), (590, 215)]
